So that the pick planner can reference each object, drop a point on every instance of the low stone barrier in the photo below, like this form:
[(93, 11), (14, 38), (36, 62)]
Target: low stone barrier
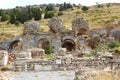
[(64, 64)]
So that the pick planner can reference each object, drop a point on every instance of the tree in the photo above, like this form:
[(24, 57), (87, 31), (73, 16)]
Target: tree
[(29, 13), (13, 14), (17, 23), (36, 13), (22, 17), (84, 8), (1, 12), (65, 6), (61, 8), (50, 7), (49, 14), (99, 5), (5, 17)]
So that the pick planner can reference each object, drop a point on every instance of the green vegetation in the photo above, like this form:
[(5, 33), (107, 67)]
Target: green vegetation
[(17, 23), (50, 7), (114, 44), (47, 50), (84, 8), (36, 13), (49, 14), (20, 17), (65, 6), (99, 5), (49, 56), (4, 68), (5, 17), (89, 55), (96, 17), (60, 13), (102, 47)]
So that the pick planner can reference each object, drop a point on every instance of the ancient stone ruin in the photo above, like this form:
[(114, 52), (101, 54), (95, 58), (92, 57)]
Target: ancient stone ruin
[(3, 58), (80, 26), (31, 27), (67, 47), (79, 38)]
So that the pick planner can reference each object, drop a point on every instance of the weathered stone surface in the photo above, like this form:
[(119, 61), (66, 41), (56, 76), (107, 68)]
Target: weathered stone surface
[(55, 25), (3, 58), (24, 55), (6, 76), (57, 38), (31, 27), (116, 34), (61, 52), (58, 61), (37, 53), (79, 26)]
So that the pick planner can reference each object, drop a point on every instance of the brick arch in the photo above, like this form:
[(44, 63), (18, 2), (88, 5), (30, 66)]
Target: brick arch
[(44, 44), (68, 44), (15, 46)]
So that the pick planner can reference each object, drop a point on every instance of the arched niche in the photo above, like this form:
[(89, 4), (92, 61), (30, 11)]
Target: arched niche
[(15, 46), (44, 44), (68, 44)]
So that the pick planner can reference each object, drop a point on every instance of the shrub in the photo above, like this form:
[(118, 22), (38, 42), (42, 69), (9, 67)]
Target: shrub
[(5, 17), (17, 23), (47, 50), (114, 44), (89, 55), (42, 30), (108, 4), (99, 5), (12, 18), (84, 8), (36, 13), (49, 14), (60, 13), (65, 6), (50, 7), (4, 68), (22, 17), (49, 56)]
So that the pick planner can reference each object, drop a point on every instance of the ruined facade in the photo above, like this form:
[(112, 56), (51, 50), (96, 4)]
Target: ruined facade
[(79, 38)]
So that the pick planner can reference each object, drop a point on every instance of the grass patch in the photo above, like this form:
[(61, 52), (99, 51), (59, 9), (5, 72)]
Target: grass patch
[(4, 68), (89, 55), (49, 56)]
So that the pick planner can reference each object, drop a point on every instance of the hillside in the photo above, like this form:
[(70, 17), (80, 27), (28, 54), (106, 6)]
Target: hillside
[(96, 17)]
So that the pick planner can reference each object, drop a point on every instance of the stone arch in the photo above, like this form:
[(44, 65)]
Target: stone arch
[(15, 46), (44, 44), (68, 44)]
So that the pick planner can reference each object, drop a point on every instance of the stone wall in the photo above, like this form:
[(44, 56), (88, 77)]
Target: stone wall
[(3, 58), (57, 37), (63, 63)]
